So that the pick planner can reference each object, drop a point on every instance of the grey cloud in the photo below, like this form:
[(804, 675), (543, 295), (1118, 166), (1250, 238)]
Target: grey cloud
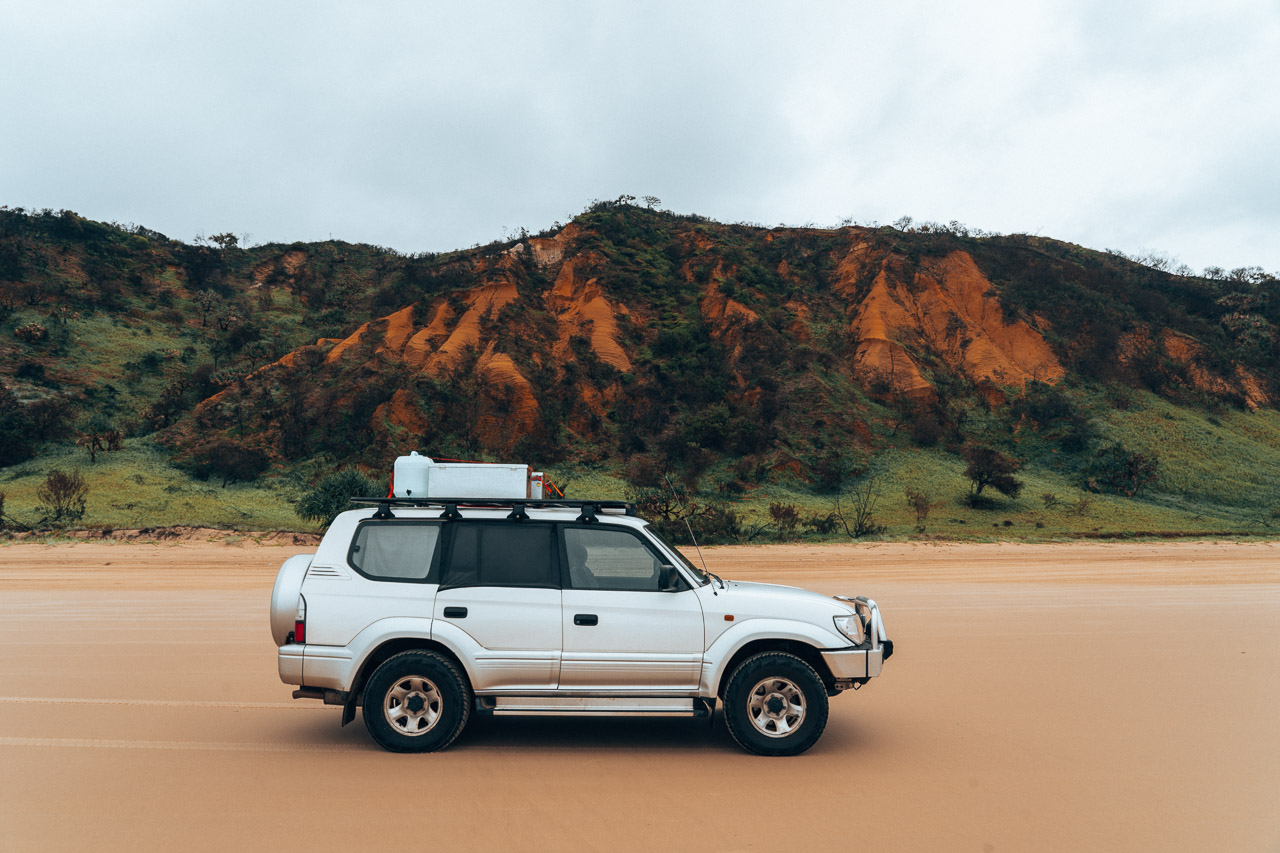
[(422, 126)]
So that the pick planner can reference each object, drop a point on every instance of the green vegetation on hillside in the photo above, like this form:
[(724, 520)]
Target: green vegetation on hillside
[(194, 384)]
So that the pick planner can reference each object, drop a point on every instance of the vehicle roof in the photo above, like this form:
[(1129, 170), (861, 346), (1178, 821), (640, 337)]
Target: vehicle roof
[(466, 513)]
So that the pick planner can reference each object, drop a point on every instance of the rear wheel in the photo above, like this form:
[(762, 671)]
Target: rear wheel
[(416, 702), (775, 704)]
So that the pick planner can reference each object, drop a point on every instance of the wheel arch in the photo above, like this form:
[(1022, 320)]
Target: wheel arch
[(807, 653), (392, 647)]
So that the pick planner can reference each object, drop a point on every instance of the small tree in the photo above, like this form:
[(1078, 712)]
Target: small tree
[(207, 302), (855, 509), (1117, 469), (990, 467), (62, 497)]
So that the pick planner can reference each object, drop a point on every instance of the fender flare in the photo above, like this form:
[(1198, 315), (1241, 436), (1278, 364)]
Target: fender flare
[(395, 628), (718, 654)]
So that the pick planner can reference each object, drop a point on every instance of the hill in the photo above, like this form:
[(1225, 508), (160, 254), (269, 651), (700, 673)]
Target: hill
[(635, 349)]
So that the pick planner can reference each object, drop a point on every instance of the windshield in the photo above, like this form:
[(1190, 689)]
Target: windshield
[(684, 561)]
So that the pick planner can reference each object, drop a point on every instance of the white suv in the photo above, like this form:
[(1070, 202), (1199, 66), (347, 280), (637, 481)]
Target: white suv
[(422, 611)]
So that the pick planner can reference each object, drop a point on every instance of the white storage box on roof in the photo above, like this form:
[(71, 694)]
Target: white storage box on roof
[(421, 477)]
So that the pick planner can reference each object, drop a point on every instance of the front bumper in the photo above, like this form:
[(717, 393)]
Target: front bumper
[(867, 660), (846, 664)]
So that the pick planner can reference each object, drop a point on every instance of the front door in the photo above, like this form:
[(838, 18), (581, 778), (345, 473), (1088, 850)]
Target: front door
[(500, 585), (622, 631)]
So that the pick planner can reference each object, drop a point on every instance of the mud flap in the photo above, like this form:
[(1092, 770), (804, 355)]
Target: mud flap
[(349, 708), (708, 708)]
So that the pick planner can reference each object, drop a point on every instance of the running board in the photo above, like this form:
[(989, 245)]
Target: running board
[(591, 706)]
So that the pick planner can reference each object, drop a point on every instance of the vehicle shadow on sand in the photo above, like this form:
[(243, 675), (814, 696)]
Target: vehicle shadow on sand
[(609, 734), (605, 733)]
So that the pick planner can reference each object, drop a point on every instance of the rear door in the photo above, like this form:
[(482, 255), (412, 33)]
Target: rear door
[(622, 631), (500, 585)]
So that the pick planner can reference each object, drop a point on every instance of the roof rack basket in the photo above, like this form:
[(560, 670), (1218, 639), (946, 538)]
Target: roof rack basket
[(519, 506)]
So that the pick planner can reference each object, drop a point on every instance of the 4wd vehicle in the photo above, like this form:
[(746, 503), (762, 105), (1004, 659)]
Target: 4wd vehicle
[(423, 611)]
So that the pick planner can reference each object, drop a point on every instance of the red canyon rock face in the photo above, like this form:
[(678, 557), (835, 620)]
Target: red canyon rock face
[(946, 307), (602, 338)]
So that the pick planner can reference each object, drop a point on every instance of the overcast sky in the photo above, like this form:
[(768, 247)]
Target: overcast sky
[(1129, 125)]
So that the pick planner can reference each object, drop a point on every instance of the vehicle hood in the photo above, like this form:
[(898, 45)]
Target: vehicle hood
[(767, 598)]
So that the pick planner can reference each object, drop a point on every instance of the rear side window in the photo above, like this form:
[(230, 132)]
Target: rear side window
[(501, 554), (395, 550)]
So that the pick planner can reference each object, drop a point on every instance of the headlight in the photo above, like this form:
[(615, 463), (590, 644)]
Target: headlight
[(851, 626)]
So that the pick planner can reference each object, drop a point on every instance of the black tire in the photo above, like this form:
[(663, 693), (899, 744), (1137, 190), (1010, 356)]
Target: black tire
[(416, 702), (760, 715)]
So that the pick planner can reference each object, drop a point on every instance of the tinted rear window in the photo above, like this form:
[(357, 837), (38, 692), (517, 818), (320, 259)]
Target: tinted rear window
[(395, 550), (501, 554)]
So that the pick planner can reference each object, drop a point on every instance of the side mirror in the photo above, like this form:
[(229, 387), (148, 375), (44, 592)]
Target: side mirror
[(668, 579)]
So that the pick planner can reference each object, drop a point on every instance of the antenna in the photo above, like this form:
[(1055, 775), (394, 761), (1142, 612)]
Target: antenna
[(701, 559)]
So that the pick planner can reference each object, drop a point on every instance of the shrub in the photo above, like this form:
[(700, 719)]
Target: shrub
[(31, 371), (831, 469), (643, 471), (31, 333), (50, 419), (719, 523), (925, 430), (674, 512), (62, 497), (333, 494), (1115, 468), (821, 523), (785, 517), (231, 461), (15, 433), (920, 503)]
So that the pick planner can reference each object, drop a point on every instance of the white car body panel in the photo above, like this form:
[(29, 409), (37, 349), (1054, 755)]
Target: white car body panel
[(340, 608), (516, 631), (643, 640), (523, 641)]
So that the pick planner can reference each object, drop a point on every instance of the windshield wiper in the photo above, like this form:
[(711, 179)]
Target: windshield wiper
[(717, 577)]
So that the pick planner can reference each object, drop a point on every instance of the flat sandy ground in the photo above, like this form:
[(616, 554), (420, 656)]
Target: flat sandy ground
[(1043, 697)]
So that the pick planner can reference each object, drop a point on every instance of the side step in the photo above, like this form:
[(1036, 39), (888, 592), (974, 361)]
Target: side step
[(592, 706)]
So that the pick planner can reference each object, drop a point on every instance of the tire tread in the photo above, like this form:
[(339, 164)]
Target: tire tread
[(814, 702), (462, 685)]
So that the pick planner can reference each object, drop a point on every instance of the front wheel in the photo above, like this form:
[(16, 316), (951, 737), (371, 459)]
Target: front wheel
[(775, 704), (416, 702)]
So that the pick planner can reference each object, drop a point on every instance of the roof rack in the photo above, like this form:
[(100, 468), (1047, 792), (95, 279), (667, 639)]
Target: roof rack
[(519, 506)]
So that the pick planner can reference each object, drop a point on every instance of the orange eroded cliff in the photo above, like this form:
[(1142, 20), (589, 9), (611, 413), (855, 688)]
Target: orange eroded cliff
[(582, 309), (945, 305)]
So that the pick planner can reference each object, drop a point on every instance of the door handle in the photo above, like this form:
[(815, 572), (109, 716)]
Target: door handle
[(586, 619), (455, 613)]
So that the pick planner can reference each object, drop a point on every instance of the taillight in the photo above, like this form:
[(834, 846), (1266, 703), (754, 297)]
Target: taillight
[(300, 622)]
